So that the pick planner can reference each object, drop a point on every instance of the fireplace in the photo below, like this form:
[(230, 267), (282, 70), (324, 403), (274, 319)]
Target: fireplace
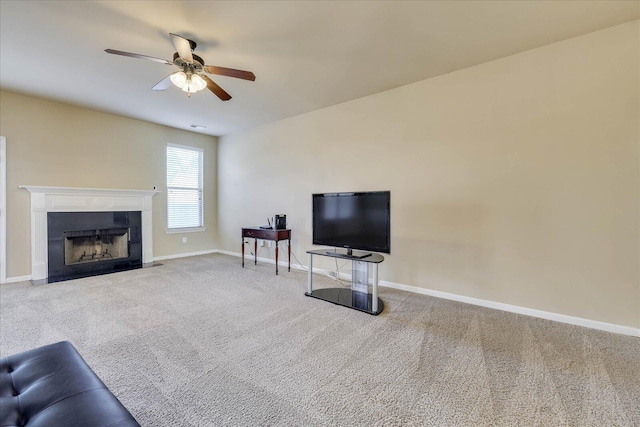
[(139, 237), (89, 243)]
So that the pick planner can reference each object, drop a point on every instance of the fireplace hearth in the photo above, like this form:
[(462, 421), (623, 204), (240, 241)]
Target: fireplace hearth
[(84, 244)]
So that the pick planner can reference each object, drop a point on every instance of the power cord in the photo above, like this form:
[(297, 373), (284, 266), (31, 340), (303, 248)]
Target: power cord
[(294, 256), (337, 271), (250, 250), (337, 278)]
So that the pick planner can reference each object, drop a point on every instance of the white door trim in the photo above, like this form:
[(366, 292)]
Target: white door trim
[(3, 209)]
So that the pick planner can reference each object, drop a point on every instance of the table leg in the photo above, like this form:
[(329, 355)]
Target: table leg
[(243, 252), (289, 250), (255, 251), (276, 256)]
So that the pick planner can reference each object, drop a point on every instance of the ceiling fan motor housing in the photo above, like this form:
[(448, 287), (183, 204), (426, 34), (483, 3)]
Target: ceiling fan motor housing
[(197, 63)]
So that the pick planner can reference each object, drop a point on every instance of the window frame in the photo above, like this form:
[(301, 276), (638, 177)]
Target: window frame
[(200, 189)]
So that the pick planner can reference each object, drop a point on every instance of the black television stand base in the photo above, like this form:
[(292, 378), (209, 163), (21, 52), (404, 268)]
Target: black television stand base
[(353, 298), (348, 298)]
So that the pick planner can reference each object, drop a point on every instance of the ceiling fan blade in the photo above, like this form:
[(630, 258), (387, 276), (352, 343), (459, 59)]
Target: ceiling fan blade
[(182, 46), (230, 72), (163, 84), (137, 55), (213, 87)]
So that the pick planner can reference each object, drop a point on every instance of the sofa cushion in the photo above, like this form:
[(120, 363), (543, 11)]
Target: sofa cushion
[(54, 386)]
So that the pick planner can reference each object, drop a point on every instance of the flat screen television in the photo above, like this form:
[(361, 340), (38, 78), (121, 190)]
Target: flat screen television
[(359, 220)]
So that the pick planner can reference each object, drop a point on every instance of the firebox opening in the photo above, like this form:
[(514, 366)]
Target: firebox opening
[(95, 245)]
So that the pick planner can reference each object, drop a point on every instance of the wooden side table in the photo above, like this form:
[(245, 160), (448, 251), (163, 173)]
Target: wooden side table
[(266, 234)]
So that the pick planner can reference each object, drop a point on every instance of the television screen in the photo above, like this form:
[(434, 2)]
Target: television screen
[(360, 220)]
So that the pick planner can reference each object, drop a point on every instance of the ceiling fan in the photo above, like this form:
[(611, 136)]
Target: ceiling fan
[(190, 78)]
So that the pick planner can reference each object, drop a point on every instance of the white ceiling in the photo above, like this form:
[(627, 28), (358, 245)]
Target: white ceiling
[(306, 55)]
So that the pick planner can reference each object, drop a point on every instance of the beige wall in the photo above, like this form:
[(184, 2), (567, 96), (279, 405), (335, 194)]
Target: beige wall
[(50, 143), (515, 181)]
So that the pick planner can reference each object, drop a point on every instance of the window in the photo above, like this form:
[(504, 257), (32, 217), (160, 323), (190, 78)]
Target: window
[(184, 188)]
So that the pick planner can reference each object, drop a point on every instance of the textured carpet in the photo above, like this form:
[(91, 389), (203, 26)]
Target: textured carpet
[(202, 342)]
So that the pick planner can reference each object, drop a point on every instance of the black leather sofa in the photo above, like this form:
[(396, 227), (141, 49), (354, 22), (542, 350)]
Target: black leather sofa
[(53, 386)]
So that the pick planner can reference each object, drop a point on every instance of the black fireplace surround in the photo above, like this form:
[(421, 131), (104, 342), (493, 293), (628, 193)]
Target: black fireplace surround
[(110, 242)]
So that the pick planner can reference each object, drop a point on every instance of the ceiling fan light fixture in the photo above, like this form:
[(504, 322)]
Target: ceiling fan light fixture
[(193, 84), (179, 78), (188, 87), (198, 82)]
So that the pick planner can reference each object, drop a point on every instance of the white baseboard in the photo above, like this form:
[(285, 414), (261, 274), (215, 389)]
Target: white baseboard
[(563, 318), (17, 279), (185, 255), (160, 258), (249, 257), (236, 254)]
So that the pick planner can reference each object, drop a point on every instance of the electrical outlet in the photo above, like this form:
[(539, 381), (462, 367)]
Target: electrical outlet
[(269, 243), (184, 240), (261, 243)]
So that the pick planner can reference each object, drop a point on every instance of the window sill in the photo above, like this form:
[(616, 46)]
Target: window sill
[(185, 230)]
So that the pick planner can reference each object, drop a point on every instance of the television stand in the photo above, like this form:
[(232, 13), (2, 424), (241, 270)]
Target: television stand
[(351, 298)]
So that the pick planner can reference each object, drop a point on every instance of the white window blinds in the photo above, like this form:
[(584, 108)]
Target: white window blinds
[(184, 187)]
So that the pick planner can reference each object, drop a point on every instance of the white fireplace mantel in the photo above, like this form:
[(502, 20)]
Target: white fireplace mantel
[(72, 199)]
